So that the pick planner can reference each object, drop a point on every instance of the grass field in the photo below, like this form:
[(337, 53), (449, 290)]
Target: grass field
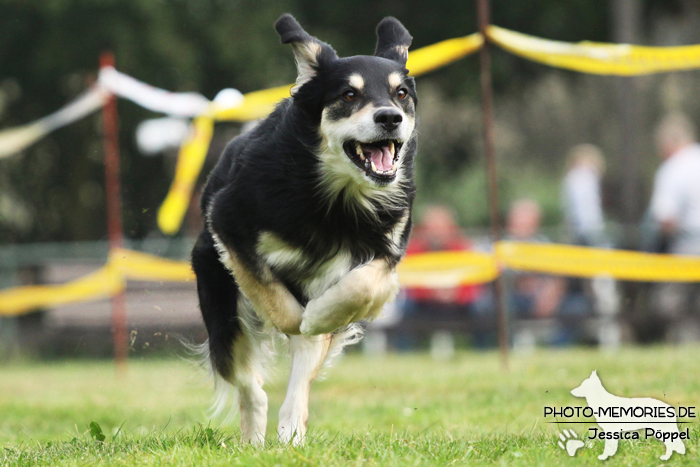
[(398, 410)]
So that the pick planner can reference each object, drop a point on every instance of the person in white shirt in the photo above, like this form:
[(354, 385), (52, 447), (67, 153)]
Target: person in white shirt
[(675, 202), (675, 207), (581, 194)]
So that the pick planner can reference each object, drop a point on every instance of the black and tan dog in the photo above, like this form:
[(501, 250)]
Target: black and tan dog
[(307, 216)]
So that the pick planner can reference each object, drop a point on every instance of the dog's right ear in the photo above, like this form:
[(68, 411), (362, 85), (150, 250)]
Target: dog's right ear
[(310, 53), (393, 40)]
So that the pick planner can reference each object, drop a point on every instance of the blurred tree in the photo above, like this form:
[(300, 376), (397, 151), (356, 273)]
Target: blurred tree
[(49, 53)]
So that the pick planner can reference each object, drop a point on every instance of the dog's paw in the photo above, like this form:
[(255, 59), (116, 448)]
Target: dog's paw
[(572, 445), (309, 328), (324, 315), (288, 434), (313, 327), (314, 323)]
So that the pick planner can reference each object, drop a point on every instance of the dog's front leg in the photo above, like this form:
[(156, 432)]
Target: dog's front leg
[(308, 354), (270, 298), (358, 295)]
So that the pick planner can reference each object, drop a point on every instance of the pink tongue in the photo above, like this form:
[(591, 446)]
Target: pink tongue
[(382, 158)]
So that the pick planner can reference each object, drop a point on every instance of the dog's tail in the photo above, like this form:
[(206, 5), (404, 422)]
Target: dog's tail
[(218, 298)]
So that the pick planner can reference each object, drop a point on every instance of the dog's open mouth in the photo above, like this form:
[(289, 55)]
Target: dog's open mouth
[(379, 159)]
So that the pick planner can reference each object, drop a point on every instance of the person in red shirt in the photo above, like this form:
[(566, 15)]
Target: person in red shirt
[(438, 231), (426, 309)]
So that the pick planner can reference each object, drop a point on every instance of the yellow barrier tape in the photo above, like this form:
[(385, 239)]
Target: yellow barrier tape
[(189, 165), (144, 267), (105, 282), (447, 269), (258, 104), (597, 58), (14, 140), (102, 283), (443, 53), (444, 269), (578, 261)]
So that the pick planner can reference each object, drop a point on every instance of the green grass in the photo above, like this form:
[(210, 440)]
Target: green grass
[(398, 410)]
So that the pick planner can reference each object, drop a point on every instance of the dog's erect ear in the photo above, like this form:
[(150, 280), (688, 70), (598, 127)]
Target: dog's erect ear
[(310, 53), (393, 40)]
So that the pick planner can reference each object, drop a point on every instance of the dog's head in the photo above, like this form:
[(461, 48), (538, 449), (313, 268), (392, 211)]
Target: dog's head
[(589, 386), (364, 106)]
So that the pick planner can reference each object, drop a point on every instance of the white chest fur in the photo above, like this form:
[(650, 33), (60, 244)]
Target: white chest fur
[(315, 279)]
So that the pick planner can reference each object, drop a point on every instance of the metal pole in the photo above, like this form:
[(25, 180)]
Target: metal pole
[(484, 7), (627, 16), (114, 206)]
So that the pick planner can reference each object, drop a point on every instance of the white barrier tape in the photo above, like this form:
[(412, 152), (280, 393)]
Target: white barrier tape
[(13, 140), (185, 104), (111, 81)]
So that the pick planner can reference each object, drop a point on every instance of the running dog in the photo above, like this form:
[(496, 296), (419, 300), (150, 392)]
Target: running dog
[(307, 216)]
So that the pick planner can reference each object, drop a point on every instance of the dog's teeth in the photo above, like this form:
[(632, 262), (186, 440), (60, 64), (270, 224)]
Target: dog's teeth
[(374, 167), (391, 147), (358, 147)]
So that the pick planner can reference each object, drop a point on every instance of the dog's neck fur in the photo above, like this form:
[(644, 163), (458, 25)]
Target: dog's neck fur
[(359, 196)]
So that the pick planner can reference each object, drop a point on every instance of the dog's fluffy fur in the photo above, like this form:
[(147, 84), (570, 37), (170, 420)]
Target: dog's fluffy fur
[(307, 216)]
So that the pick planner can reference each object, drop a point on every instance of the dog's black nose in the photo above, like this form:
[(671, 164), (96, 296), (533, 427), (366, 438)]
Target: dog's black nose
[(388, 118)]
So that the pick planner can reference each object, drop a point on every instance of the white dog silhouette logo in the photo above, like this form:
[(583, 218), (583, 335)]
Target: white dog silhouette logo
[(617, 415)]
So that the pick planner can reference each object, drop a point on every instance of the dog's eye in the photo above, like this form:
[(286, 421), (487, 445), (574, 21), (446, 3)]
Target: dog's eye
[(402, 93), (349, 95)]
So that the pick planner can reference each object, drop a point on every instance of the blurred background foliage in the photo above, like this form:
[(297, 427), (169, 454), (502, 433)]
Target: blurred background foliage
[(49, 53)]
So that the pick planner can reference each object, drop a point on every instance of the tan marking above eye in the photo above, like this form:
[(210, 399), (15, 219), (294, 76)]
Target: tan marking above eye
[(395, 80), (356, 81)]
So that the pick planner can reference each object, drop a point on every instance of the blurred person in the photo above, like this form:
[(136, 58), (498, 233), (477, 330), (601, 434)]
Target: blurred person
[(675, 200), (581, 194), (524, 221), (534, 296), (437, 231), (675, 209), (582, 202), (531, 295)]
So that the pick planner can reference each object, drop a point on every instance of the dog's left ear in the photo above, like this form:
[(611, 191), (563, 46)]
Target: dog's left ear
[(393, 40), (310, 53)]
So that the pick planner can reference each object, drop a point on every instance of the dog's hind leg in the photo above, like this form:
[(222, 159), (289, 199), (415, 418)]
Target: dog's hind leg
[(235, 350), (308, 354), (249, 362)]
